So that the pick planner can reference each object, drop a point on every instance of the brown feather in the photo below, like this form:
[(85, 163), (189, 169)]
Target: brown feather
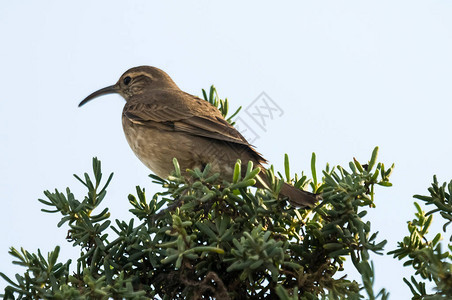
[(198, 118)]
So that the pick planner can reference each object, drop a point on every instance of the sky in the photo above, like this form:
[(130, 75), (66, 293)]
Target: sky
[(346, 76)]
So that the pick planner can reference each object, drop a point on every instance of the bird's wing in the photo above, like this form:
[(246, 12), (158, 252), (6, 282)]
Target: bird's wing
[(206, 123)]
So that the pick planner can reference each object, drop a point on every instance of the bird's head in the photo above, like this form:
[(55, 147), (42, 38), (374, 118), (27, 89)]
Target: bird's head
[(136, 81)]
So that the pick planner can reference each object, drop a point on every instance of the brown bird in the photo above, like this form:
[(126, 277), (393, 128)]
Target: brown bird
[(161, 122)]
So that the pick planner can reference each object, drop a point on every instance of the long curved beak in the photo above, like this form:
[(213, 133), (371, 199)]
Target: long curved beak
[(107, 90)]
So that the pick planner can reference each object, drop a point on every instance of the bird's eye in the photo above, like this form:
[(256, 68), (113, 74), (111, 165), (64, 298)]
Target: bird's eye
[(127, 80)]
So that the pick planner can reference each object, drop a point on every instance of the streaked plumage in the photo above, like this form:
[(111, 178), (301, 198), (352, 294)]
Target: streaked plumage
[(161, 122)]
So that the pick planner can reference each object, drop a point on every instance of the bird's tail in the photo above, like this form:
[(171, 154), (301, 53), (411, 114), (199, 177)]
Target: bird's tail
[(299, 197), (296, 197)]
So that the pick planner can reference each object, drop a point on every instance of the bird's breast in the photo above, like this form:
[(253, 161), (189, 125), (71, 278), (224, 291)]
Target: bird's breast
[(156, 144)]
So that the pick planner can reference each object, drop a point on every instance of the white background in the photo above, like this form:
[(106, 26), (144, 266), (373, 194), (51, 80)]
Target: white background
[(348, 75)]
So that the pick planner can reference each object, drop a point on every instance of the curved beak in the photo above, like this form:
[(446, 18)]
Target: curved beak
[(107, 90)]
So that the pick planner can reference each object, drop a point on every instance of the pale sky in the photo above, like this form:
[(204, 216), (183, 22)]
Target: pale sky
[(347, 75)]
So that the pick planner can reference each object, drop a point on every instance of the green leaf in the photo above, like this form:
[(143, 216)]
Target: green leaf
[(373, 159), (313, 170)]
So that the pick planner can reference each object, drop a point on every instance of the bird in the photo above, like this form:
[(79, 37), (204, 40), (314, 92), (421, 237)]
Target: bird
[(162, 122)]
